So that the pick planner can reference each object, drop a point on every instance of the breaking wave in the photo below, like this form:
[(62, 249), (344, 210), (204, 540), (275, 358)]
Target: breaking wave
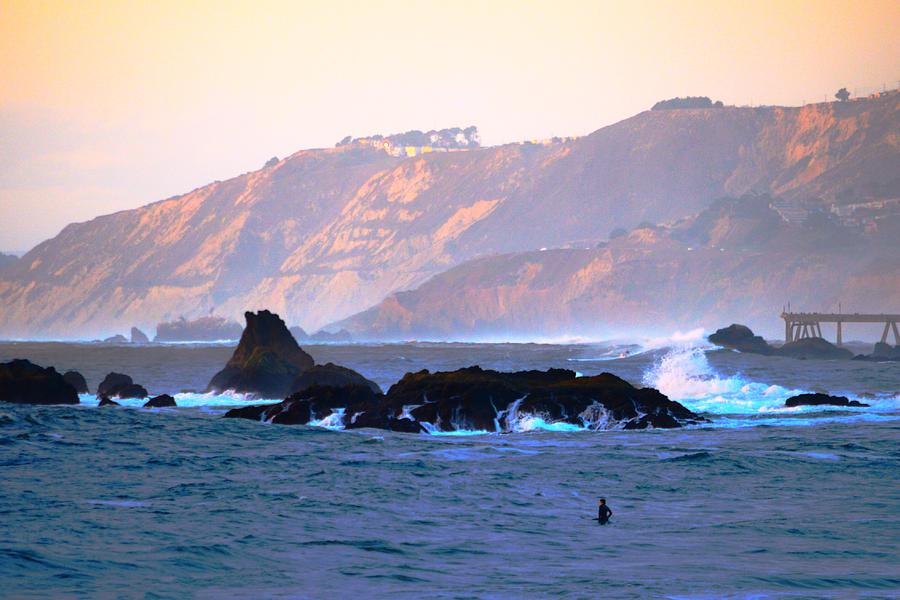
[(685, 375)]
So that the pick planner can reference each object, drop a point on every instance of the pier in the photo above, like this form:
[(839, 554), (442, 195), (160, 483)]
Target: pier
[(806, 325)]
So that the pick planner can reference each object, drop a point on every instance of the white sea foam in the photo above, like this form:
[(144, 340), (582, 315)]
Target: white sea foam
[(685, 375)]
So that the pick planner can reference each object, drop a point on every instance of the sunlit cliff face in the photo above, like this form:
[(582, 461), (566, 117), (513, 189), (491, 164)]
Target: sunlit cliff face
[(324, 234)]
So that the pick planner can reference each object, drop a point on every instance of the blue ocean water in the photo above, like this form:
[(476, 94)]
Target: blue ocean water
[(762, 502)]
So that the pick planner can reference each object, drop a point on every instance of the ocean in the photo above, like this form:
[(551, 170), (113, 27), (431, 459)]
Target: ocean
[(762, 502)]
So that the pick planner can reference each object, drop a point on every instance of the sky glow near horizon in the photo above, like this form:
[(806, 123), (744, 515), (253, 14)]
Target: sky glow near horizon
[(106, 106)]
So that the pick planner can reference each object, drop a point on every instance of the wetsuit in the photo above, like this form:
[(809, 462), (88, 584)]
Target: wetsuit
[(603, 514)]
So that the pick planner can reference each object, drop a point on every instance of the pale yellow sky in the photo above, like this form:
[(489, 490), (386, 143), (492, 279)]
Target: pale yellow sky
[(110, 105)]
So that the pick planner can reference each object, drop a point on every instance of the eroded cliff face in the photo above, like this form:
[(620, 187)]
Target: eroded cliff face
[(737, 259), (324, 234)]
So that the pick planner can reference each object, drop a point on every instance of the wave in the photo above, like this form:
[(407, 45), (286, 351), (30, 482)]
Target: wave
[(685, 375)]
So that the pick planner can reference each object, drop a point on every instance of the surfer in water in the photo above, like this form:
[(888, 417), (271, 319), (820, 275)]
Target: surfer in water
[(603, 512)]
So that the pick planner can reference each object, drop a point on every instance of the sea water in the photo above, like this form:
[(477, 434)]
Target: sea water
[(763, 501)]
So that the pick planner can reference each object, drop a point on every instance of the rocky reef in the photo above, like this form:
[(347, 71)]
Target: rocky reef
[(821, 400), (24, 382), (119, 385), (476, 399), (741, 338), (77, 381), (269, 363), (161, 401)]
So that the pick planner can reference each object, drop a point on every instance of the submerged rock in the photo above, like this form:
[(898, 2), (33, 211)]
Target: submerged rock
[(77, 381), (481, 400), (138, 336), (821, 400), (24, 382), (740, 338), (116, 339), (266, 361), (161, 401), (106, 401), (119, 385), (815, 347)]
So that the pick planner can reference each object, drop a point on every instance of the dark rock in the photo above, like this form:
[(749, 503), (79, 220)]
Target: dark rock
[(24, 382), (741, 338), (77, 381), (331, 375), (105, 401), (138, 336), (312, 404), (814, 347), (118, 385), (883, 350), (161, 401), (116, 339), (266, 362), (821, 400), (476, 399)]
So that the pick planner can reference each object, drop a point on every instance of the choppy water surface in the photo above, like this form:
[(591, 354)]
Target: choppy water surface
[(764, 502)]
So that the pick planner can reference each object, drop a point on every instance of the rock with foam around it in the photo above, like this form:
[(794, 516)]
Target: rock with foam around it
[(161, 401), (77, 381), (23, 382), (821, 400), (266, 362), (740, 338), (119, 385)]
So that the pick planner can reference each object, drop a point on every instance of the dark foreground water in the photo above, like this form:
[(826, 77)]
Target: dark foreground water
[(764, 502)]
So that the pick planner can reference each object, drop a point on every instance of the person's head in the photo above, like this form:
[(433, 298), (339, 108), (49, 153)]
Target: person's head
[(602, 501)]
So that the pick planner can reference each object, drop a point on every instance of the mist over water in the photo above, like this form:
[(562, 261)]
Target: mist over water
[(763, 501)]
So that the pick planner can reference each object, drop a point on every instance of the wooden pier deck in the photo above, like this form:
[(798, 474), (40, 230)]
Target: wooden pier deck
[(804, 325)]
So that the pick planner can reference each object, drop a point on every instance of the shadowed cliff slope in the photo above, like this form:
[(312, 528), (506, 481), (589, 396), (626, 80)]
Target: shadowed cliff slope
[(324, 234), (737, 259)]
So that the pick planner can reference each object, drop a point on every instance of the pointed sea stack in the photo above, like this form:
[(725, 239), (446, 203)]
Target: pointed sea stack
[(266, 361)]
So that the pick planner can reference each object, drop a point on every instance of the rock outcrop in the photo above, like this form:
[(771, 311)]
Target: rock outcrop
[(327, 233), (815, 347), (821, 400), (266, 361), (119, 385), (482, 400), (331, 375), (740, 338), (886, 351), (138, 336), (106, 401), (161, 401), (77, 381), (115, 339), (23, 382)]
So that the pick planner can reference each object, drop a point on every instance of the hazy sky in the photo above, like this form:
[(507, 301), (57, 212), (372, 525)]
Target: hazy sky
[(110, 105)]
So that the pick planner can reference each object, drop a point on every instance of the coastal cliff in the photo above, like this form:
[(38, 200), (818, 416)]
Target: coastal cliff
[(323, 234)]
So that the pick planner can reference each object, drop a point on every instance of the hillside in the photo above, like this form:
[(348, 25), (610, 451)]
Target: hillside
[(736, 260), (324, 234)]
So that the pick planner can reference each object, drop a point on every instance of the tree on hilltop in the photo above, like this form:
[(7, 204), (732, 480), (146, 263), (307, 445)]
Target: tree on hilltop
[(842, 94)]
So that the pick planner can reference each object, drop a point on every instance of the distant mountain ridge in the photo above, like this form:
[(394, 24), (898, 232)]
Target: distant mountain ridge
[(324, 234)]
